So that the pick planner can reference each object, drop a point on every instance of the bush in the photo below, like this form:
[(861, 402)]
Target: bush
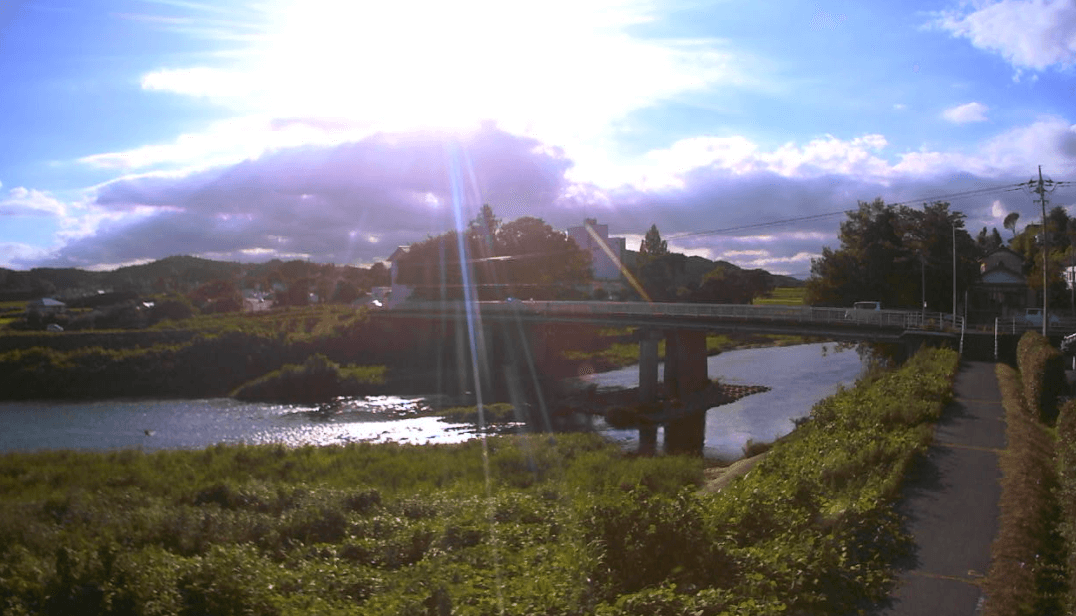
[(317, 380), (1042, 373)]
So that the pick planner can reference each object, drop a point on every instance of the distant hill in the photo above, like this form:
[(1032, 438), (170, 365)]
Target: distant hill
[(183, 274), (697, 267)]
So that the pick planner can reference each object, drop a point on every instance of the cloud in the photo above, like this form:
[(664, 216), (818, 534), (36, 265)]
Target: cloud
[(968, 112), (355, 201), (16, 255), (28, 202), (377, 62), (1029, 34)]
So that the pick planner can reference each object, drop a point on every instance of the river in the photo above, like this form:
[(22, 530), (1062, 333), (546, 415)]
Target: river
[(799, 376)]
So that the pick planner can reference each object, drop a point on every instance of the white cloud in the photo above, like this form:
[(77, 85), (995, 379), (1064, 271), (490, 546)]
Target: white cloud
[(28, 202), (997, 209), (229, 142), (1029, 34), (15, 255), (968, 112), (564, 71)]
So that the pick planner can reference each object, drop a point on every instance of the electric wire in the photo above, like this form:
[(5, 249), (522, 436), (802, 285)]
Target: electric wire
[(978, 192)]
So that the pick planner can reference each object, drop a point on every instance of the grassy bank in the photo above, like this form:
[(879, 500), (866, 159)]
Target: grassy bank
[(618, 353), (519, 525), (1027, 573)]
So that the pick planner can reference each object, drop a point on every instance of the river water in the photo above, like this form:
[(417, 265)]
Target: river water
[(799, 376)]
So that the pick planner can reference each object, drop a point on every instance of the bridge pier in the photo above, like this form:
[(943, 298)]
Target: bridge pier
[(685, 374), (648, 387)]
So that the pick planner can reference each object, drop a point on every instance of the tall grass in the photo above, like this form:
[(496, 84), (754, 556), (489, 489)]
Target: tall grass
[(1027, 558), (569, 525)]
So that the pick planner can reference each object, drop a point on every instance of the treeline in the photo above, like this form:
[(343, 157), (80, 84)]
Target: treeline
[(522, 258), (888, 253), (212, 355), (215, 285), (903, 256), (524, 525), (208, 357)]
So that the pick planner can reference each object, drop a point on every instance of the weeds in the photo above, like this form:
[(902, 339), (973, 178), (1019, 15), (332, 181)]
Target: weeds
[(568, 525)]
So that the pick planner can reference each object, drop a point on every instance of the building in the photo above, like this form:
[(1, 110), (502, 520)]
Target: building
[(46, 305), (1002, 290), (605, 252), (396, 293)]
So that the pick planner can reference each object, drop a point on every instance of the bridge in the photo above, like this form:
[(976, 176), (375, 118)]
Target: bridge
[(834, 323), (684, 328)]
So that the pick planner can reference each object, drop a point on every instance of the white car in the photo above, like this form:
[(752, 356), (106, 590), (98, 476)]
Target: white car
[(863, 311)]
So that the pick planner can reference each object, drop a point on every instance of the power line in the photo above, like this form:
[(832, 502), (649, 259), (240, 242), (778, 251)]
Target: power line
[(978, 192)]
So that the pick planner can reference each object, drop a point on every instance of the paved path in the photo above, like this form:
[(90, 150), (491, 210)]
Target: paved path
[(951, 500)]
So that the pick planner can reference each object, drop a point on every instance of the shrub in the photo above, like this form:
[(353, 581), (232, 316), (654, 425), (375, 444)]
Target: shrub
[(1042, 373)]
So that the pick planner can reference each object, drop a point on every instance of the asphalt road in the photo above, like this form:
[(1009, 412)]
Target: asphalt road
[(951, 500)]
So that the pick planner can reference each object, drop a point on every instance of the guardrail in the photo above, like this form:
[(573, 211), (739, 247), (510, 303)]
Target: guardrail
[(1019, 325), (890, 319)]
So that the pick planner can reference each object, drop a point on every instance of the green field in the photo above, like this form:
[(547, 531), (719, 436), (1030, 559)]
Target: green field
[(783, 296)]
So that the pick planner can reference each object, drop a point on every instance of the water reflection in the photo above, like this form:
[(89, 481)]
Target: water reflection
[(798, 377)]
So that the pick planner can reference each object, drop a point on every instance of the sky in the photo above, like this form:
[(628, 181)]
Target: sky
[(248, 130)]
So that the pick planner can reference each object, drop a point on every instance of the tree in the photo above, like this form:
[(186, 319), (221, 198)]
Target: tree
[(872, 263), (731, 285), (988, 242), (1010, 222), (522, 258), (652, 244), (888, 252), (218, 296)]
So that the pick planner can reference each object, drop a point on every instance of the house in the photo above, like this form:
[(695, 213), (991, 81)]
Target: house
[(396, 293), (1002, 290), (45, 305), (605, 252)]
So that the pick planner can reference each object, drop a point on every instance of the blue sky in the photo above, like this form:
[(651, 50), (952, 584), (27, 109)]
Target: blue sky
[(137, 129)]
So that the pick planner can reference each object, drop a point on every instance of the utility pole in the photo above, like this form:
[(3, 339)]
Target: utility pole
[(954, 273), (1040, 187)]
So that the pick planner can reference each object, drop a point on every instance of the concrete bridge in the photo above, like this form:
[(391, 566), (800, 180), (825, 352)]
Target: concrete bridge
[(684, 328)]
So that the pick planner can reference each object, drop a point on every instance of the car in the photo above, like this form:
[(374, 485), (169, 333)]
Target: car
[(1033, 316), (863, 311)]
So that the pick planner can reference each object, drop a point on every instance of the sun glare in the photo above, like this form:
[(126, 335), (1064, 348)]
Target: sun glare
[(531, 67)]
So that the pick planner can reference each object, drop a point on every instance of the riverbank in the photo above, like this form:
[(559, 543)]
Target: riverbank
[(213, 356), (562, 524), (617, 349)]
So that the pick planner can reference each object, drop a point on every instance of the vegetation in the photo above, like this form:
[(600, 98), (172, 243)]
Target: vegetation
[(667, 276), (888, 251), (1066, 497), (1060, 233), (1027, 572), (784, 296), (183, 275), (317, 380), (520, 525), (522, 258), (617, 350)]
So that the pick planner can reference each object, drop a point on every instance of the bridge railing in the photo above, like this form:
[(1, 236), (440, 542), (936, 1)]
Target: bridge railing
[(1020, 324), (891, 319)]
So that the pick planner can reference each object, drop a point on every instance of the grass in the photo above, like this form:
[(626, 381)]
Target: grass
[(622, 354), (1023, 574), (536, 524), (783, 296)]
